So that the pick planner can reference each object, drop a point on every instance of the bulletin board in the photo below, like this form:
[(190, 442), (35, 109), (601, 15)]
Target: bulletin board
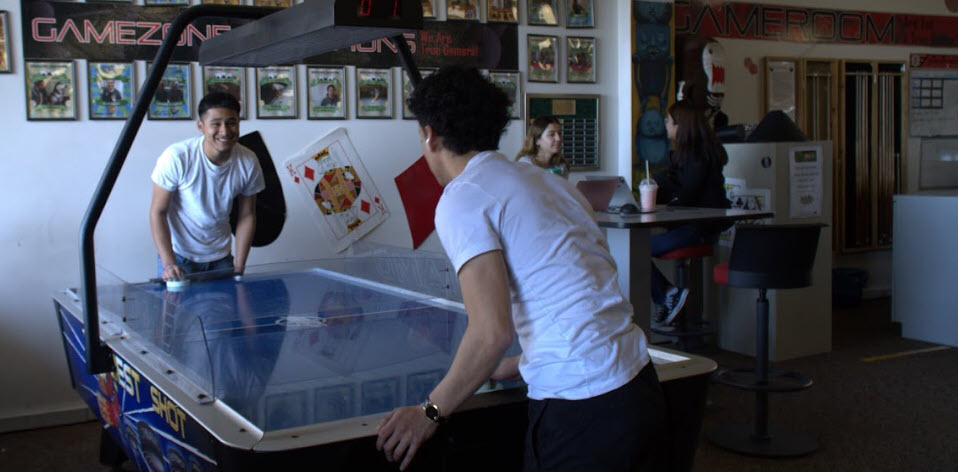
[(579, 115), (933, 95)]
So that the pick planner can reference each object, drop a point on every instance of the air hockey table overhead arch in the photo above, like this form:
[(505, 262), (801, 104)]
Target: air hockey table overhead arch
[(274, 37)]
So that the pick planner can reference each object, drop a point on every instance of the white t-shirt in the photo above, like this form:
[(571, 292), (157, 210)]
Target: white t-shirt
[(573, 323), (203, 193)]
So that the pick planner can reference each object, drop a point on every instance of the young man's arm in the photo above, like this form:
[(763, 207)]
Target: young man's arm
[(160, 228), (485, 292), (245, 228)]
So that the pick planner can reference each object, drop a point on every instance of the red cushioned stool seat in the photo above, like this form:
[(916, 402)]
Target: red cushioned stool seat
[(689, 252), (720, 273), (688, 328)]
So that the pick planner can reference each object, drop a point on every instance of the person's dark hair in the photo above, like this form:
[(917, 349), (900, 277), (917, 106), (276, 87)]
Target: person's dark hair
[(467, 111), (694, 138), (218, 100)]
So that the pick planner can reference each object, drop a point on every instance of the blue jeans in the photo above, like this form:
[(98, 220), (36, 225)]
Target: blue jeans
[(191, 267), (683, 236)]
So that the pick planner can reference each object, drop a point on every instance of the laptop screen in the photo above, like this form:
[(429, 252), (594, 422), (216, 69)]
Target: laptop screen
[(598, 192)]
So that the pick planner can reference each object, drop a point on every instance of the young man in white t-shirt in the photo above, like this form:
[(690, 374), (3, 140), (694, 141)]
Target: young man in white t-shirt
[(531, 261), (194, 185)]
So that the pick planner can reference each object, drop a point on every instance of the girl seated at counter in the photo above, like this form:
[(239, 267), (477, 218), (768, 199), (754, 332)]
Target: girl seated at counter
[(543, 146), (694, 178)]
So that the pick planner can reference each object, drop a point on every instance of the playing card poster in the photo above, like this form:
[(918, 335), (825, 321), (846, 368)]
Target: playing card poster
[(342, 198)]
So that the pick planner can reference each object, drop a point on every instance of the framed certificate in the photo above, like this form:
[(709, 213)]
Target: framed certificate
[(110, 87), (276, 92), (543, 12), (6, 62), (407, 88), (50, 90), (326, 91), (509, 82), (502, 11), (462, 10), (374, 93), (429, 9), (231, 80), (580, 59), (580, 14), (273, 3), (173, 99), (542, 58)]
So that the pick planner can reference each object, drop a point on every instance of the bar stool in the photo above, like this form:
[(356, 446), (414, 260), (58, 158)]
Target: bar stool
[(766, 257), (689, 328)]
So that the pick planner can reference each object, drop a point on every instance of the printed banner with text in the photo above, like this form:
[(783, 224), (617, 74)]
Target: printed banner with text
[(113, 32), (740, 20)]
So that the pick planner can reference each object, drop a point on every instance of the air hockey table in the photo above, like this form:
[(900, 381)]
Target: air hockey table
[(292, 366)]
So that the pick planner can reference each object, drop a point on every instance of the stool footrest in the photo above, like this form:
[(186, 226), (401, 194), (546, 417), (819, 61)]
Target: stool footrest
[(779, 381)]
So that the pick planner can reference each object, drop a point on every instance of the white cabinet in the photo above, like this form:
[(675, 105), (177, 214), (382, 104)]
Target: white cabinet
[(925, 267)]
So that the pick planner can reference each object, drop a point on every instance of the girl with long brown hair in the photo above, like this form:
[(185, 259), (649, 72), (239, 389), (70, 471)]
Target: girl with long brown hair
[(694, 178), (543, 146)]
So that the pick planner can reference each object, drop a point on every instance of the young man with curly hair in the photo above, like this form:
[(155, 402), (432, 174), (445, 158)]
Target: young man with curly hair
[(531, 262)]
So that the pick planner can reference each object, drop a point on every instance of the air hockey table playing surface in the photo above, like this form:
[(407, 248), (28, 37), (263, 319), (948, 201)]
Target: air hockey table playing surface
[(295, 364)]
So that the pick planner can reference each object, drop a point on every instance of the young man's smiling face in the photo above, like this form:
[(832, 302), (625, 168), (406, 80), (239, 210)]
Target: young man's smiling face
[(220, 128)]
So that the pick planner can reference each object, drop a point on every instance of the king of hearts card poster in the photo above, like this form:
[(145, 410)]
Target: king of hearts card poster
[(343, 201)]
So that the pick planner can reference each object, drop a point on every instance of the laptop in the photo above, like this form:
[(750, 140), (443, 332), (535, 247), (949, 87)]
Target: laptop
[(623, 194), (598, 192)]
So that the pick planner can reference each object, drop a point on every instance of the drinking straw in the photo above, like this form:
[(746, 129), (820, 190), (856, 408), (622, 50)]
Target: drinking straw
[(647, 171)]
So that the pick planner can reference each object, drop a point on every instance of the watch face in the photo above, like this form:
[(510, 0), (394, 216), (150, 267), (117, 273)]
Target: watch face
[(432, 412)]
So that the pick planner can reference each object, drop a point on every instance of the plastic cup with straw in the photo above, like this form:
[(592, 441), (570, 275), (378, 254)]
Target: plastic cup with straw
[(647, 191)]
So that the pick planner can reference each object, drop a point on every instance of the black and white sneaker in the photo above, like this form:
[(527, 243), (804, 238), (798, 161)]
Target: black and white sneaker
[(674, 301)]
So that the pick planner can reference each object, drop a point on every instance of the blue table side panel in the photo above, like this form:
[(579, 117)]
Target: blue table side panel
[(153, 431)]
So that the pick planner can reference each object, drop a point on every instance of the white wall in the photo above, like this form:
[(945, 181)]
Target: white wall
[(52, 168)]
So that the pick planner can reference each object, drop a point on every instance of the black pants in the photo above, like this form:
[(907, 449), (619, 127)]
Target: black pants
[(614, 431)]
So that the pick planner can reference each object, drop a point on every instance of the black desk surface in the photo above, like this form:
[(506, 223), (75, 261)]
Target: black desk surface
[(671, 215)]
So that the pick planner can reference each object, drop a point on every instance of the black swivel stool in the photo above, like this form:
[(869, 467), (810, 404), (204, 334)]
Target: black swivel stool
[(766, 257), (688, 328)]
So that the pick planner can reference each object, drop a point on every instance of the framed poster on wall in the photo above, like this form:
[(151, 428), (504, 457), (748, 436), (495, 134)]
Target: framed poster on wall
[(50, 90), (542, 53), (407, 88), (110, 87), (231, 80), (326, 88), (273, 3), (510, 83), (543, 12), (429, 9), (580, 14), (502, 11), (173, 99), (374, 93), (6, 62), (276, 92), (462, 10), (580, 59)]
